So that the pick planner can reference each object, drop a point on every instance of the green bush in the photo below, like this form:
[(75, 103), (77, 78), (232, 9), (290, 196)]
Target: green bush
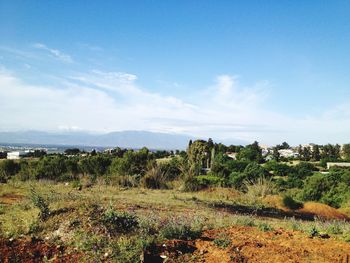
[(290, 203), (39, 202), (119, 222), (209, 180), (222, 241), (180, 231)]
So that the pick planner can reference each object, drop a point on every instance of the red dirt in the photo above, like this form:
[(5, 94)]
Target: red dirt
[(26, 250), (9, 199), (310, 208), (252, 245)]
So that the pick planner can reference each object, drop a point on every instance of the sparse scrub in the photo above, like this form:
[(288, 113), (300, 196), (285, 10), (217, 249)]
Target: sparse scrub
[(154, 178), (119, 222), (39, 202), (178, 229), (265, 227), (259, 188), (222, 241)]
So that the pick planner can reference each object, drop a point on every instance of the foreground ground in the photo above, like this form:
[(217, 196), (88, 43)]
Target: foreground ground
[(234, 229)]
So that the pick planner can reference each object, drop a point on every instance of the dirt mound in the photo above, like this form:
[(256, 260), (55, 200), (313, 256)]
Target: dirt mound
[(9, 199), (33, 250), (310, 208), (323, 211), (251, 245)]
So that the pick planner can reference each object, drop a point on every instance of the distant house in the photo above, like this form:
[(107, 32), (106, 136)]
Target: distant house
[(232, 155), (16, 155), (288, 153), (329, 165)]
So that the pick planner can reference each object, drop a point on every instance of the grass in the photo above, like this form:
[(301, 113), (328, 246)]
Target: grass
[(75, 217)]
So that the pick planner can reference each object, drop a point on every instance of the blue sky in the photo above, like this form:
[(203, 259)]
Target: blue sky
[(249, 70)]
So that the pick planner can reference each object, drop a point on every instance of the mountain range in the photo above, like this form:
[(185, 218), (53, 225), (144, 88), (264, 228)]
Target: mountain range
[(123, 139)]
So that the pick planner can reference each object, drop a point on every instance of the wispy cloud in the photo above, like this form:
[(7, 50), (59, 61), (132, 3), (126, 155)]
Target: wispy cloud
[(55, 53), (102, 101)]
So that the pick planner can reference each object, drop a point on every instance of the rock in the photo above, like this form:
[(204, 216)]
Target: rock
[(324, 235)]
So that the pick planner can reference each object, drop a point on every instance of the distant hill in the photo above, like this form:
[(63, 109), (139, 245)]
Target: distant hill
[(127, 139)]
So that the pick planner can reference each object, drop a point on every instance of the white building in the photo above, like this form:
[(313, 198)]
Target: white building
[(288, 153), (16, 155)]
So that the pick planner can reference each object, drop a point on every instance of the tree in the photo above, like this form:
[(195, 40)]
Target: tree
[(346, 152), (251, 152), (316, 155), (198, 153), (275, 154)]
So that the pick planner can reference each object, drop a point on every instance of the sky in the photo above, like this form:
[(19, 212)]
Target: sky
[(270, 71)]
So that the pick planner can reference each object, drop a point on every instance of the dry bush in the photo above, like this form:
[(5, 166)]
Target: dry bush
[(154, 178), (259, 188)]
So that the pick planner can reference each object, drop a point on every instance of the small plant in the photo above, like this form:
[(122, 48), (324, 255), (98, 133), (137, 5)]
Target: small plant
[(39, 202), (119, 222), (223, 241), (290, 203), (2, 209), (314, 232), (180, 231), (259, 188), (245, 221), (34, 227), (76, 184), (265, 227)]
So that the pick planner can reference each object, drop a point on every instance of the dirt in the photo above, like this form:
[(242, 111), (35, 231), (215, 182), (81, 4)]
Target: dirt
[(311, 209), (34, 250), (249, 244), (9, 199)]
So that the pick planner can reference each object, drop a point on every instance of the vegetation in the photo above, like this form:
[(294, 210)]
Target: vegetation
[(100, 203)]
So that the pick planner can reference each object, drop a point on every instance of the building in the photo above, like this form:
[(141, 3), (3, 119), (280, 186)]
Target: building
[(16, 155), (329, 165), (232, 155), (288, 153)]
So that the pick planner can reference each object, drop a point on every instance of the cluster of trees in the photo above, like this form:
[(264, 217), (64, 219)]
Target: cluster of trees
[(204, 163)]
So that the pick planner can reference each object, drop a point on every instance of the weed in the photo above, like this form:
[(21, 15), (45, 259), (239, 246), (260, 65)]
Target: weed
[(2, 209), (222, 241), (245, 221), (41, 203), (183, 231), (265, 227), (314, 232), (119, 222), (35, 227)]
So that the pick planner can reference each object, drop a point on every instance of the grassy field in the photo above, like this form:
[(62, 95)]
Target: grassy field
[(76, 222)]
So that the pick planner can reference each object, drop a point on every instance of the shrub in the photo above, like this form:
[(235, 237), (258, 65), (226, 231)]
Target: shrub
[(290, 203), (190, 183), (154, 178), (209, 180), (259, 188), (223, 241), (180, 231), (41, 203), (265, 227), (119, 222)]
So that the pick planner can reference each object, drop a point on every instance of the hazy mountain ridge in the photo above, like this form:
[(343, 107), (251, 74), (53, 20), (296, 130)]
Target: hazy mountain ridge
[(127, 139)]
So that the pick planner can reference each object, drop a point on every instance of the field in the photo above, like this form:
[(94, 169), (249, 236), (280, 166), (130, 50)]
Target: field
[(211, 225)]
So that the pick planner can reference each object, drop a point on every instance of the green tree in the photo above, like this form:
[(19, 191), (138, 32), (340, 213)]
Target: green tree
[(346, 152), (251, 152), (316, 155)]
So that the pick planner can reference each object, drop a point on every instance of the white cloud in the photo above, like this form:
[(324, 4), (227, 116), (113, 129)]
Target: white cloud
[(107, 101), (55, 53)]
